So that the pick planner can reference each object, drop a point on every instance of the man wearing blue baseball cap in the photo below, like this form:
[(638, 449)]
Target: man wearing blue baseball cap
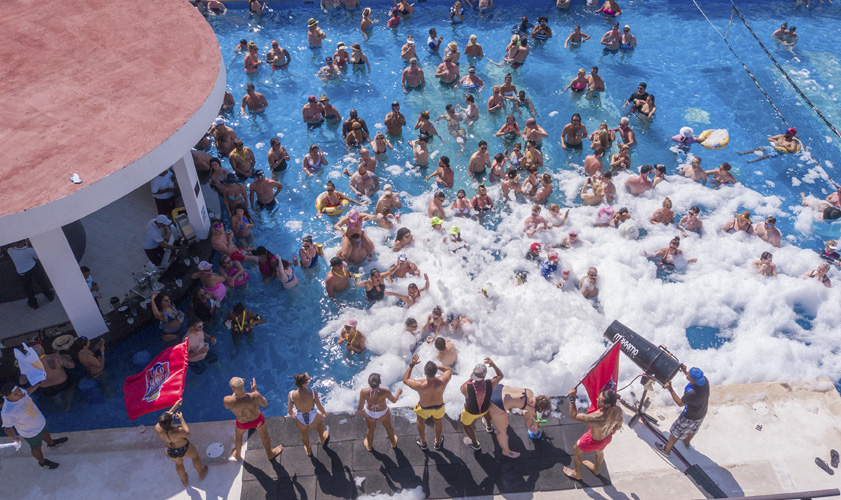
[(696, 395)]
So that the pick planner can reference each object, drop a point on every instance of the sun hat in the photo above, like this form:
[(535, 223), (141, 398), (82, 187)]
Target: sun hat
[(341, 45), (687, 132), (744, 216), (312, 22), (479, 372), (63, 342), (323, 97), (356, 46)]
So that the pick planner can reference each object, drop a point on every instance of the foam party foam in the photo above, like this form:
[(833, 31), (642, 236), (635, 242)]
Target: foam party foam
[(544, 338)]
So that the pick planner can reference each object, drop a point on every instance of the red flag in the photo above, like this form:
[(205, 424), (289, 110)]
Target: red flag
[(159, 385), (604, 374)]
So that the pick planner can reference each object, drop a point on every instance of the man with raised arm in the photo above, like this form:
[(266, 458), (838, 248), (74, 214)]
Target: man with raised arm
[(603, 422), (246, 409), (478, 392), (431, 398)]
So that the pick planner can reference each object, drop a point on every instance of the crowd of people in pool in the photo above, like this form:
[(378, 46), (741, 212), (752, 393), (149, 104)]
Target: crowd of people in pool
[(485, 399)]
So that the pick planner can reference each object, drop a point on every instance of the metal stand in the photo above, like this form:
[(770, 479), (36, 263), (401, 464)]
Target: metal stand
[(639, 409)]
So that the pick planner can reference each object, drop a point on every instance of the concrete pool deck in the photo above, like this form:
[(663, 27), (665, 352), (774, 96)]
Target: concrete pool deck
[(803, 422)]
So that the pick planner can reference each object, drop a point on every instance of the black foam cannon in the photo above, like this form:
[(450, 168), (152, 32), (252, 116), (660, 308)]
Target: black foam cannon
[(657, 362)]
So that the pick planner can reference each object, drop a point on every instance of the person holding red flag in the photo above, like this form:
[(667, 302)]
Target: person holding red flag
[(178, 447), (604, 422)]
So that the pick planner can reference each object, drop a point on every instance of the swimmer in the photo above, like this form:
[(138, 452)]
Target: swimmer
[(594, 81), (413, 293), (347, 126), (447, 72), (432, 43), (363, 182), (740, 222), (222, 241), (694, 171), (242, 160), (436, 205), (508, 89), (627, 42), (534, 221), (389, 200), (834, 199), (509, 130), (232, 191), (722, 174), (497, 172), (444, 174), (544, 190), (473, 50), (404, 267), (454, 120), (358, 59), (532, 158), (608, 186), (212, 282), (768, 232), (471, 82), (517, 158), (471, 112), (224, 136), (577, 84), (452, 52), (665, 257), (765, 265), (627, 135), (420, 151), (603, 424), (638, 184), (621, 160), (241, 321), (254, 101), (331, 114), (787, 141), (686, 138), (482, 203), (241, 223), (394, 122), (447, 353), (333, 198), (309, 253), (246, 409), (278, 57), (460, 206), (434, 322), (819, 274), (691, 222), (305, 406), (602, 138), (457, 12), (372, 400), (612, 38), (542, 31), (574, 132), (425, 127), (504, 399), (555, 219), (781, 33), (341, 56), (264, 190), (353, 339), (357, 136), (522, 53), (576, 38), (407, 51), (659, 174), (646, 108), (640, 94), (589, 285), (454, 242), (610, 8), (403, 239), (664, 215), (328, 5), (337, 279), (530, 185), (404, 7), (511, 184), (252, 60), (312, 113), (593, 162), (523, 102), (277, 156), (431, 399), (571, 240), (596, 196), (330, 71), (314, 34), (495, 101)]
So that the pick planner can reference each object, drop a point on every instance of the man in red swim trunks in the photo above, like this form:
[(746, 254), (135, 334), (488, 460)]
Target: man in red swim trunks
[(604, 422), (246, 408)]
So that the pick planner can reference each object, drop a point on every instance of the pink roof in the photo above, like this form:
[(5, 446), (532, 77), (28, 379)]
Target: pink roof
[(90, 86)]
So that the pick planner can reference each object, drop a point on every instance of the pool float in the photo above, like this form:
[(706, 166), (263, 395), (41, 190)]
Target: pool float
[(796, 147), (714, 138), (827, 230), (337, 210)]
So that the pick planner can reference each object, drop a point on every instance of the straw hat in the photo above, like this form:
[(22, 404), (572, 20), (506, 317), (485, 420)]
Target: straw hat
[(312, 22), (356, 46), (63, 342), (744, 216), (341, 46)]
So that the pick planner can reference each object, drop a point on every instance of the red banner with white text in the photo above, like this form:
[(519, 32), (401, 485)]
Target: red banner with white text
[(159, 385)]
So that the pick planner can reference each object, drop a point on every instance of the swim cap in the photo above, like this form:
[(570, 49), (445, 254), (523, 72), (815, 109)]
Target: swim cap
[(353, 215), (552, 255), (435, 221), (454, 230), (535, 247), (687, 132), (697, 375)]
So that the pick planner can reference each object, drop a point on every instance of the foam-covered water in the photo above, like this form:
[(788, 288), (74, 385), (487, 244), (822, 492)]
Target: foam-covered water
[(715, 313)]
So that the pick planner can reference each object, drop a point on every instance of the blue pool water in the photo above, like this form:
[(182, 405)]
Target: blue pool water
[(695, 79)]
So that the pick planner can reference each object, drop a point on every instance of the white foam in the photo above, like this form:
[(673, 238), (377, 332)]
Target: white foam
[(406, 494), (544, 338), (295, 225)]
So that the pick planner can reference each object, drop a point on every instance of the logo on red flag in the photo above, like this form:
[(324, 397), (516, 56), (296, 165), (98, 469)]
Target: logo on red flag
[(159, 385), (603, 375)]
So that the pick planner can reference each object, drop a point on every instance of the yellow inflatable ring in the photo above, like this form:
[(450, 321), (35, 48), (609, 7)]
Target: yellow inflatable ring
[(330, 210), (714, 145), (796, 147)]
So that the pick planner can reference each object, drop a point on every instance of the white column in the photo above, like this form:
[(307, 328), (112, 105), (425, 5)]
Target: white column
[(60, 264), (188, 182)]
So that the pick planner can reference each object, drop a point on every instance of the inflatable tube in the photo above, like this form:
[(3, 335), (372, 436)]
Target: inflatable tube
[(827, 230), (796, 148), (719, 138), (344, 205)]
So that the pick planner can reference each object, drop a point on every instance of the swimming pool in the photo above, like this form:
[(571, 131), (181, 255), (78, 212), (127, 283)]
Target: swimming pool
[(715, 314)]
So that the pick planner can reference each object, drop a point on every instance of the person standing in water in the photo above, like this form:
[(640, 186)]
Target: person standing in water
[(372, 401), (431, 399), (178, 447), (603, 422), (305, 406)]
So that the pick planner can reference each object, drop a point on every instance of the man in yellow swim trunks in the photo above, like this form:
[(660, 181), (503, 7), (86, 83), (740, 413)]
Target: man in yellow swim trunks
[(431, 402), (477, 400)]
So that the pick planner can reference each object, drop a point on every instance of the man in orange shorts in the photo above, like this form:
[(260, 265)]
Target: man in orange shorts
[(604, 422)]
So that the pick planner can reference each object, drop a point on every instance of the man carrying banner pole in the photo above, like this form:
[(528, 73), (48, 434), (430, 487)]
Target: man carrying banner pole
[(603, 417)]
